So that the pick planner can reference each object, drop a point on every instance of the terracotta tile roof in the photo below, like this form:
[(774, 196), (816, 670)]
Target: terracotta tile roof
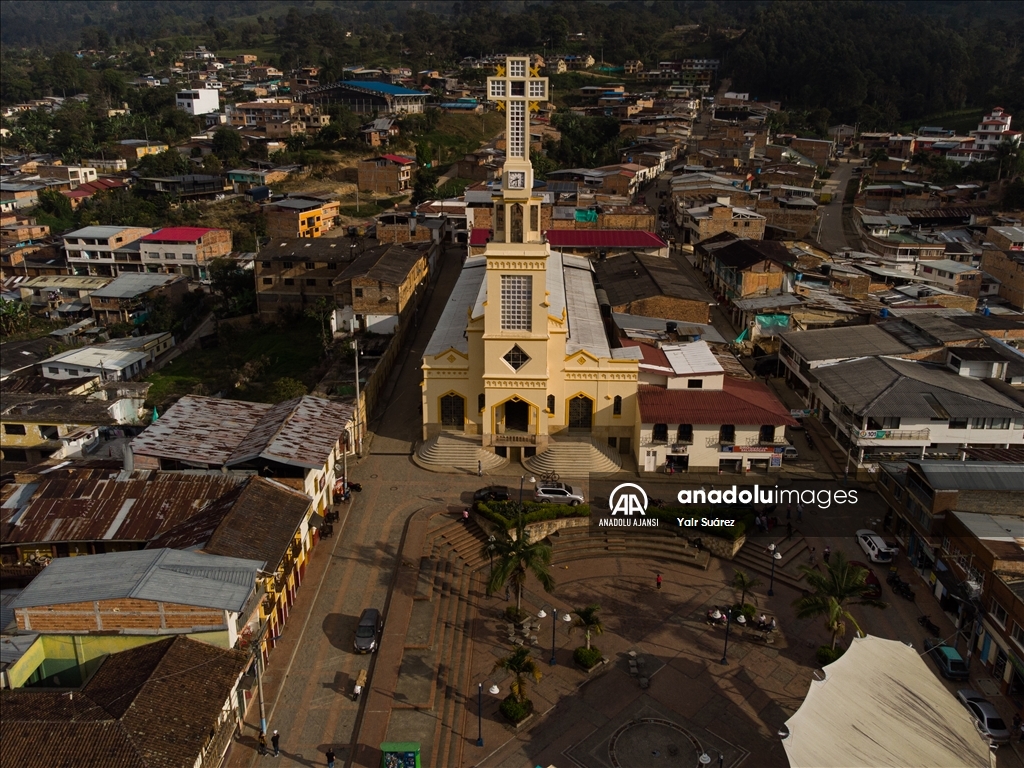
[(739, 402), (149, 707), (598, 238)]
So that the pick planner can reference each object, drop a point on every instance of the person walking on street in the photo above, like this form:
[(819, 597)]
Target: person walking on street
[(330, 758), (799, 513), (263, 743), (659, 581), (276, 741), (826, 554)]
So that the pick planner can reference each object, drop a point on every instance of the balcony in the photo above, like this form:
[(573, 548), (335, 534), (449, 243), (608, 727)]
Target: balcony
[(679, 448), (513, 438), (886, 436), (756, 440)]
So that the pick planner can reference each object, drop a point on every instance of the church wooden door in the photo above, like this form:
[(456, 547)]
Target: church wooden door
[(581, 413)]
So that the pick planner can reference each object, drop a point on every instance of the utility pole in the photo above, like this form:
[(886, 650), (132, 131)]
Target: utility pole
[(359, 423)]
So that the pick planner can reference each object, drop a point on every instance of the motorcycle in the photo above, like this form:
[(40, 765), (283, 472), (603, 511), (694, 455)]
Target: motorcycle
[(903, 590), (929, 625)]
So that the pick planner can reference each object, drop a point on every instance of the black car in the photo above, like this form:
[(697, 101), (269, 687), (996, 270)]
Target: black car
[(368, 631), (493, 493)]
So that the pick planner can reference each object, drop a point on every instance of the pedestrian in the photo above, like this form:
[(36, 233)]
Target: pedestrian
[(330, 758), (812, 559), (263, 743), (659, 581), (826, 554), (799, 513), (698, 543), (465, 515), (276, 741)]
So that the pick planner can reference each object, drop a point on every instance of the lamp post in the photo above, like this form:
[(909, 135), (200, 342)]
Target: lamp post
[(480, 714), (741, 620), (775, 556), (704, 759), (359, 425), (554, 627), (490, 554)]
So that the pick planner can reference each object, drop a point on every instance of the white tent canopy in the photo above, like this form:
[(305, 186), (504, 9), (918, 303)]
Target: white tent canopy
[(881, 706)]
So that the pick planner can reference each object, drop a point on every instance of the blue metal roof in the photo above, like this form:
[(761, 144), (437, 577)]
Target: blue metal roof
[(373, 85)]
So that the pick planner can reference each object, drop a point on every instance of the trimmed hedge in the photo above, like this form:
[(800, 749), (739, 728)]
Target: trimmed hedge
[(588, 658), (506, 513), (514, 710)]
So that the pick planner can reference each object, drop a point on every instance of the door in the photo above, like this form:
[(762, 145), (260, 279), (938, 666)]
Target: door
[(581, 412), (453, 411), (517, 416), (650, 461)]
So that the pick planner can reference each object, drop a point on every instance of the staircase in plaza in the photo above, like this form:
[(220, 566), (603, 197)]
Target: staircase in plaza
[(456, 453), (567, 457), (795, 552), (570, 544)]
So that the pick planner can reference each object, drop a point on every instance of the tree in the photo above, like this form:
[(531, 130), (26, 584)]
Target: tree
[(14, 317), (321, 311), (743, 582), (286, 388), (878, 155), (424, 185), (520, 665), (514, 557), (1010, 157), (233, 285), (588, 621), (840, 585), (227, 143), (167, 163)]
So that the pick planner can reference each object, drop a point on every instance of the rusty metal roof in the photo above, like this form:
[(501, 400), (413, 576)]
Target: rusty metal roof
[(66, 509), (214, 432)]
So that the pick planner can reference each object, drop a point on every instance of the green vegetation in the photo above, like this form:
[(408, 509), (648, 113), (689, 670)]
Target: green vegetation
[(514, 558), (743, 583), (841, 585), (826, 654), (506, 513), (588, 622), (520, 664), (245, 365), (588, 658), (515, 711)]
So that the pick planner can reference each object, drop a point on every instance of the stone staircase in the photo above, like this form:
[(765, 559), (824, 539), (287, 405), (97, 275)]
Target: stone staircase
[(437, 657), (570, 544), (456, 453), (574, 458), (754, 557)]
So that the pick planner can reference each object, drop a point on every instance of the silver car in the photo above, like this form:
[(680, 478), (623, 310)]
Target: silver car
[(558, 493), (985, 715)]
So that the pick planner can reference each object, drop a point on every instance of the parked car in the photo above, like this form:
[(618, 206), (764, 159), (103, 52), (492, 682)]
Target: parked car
[(950, 663), (790, 452), (985, 715), (368, 631), (558, 493), (871, 580), (875, 547), (493, 493)]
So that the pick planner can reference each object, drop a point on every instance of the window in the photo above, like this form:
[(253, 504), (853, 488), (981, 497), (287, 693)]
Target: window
[(695, 384), (268, 281), (358, 292), (990, 423), (516, 298), (685, 433), (617, 406), (332, 265), (72, 371), (14, 429), (551, 404), (1017, 634), (998, 613), (957, 423), (289, 281), (187, 256), (727, 434), (660, 433), (265, 264), (481, 402), (169, 256), (516, 358), (48, 432), (310, 281), (53, 370), (310, 265), (887, 422), (286, 265), (15, 454)]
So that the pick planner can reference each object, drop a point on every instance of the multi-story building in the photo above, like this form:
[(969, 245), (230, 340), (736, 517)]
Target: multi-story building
[(75, 175), (184, 250), (954, 275), (198, 101), (130, 297), (294, 274), (386, 174), (136, 149), (379, 287), (46, 294), (993, 131), (90, 250), (1008, 268), (278, 118), (1006, 238), (301, 217), (707, 221)]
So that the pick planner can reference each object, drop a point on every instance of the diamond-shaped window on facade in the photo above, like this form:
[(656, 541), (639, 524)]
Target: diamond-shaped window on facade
[(516, 358)]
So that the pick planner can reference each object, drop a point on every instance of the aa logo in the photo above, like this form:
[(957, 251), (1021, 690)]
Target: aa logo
[(629, 499)]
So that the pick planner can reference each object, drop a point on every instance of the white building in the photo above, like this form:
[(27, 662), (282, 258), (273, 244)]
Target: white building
[(199, 101), (993, 130)]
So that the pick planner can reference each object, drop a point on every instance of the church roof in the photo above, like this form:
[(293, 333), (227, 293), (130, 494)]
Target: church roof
[(586, 330), (450, 331)]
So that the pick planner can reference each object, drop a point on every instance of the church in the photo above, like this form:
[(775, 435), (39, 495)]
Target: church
[(519, 367)]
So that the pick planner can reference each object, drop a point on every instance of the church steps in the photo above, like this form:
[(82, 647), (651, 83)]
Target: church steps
[(447, 453), (574, 458), (580, 546)]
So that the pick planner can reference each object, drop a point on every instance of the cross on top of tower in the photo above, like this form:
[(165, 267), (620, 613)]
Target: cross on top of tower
[(518, 90)]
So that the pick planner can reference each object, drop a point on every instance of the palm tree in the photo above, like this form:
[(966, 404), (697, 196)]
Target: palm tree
[(878, 155), (742, 582), (514, 557), (840, 585), (520, 664), (588, 621)]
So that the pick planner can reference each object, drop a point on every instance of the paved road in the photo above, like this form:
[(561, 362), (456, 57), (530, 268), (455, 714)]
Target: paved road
[(831, 234)]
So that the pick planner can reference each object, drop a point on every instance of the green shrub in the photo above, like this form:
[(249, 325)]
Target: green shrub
[(505, 513), (587, 658), (827, 654), (514, 614), (748, 611), (514, 710)]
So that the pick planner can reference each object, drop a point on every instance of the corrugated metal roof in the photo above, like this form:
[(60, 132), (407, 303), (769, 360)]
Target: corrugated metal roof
[(200, 431), (655, 327), (100, 233), (450, 331), (695, 357), (844, 342), (586, 329), (972, 476), (131, 284), (633, 276), (159, 575)]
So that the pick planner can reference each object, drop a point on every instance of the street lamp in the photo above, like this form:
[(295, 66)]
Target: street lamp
[(775, 556), (522, 479), (490, 553), (741, 620), (704, 759), (480, 714), (554, 627)]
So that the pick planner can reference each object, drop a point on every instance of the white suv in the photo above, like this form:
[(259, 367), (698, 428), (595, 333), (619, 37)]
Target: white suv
[(875, 547), (558, 493)]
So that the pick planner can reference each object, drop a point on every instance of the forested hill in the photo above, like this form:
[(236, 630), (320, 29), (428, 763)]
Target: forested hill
[(876, 63)]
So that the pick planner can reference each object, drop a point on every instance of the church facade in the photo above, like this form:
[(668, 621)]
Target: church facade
[(520, 355)]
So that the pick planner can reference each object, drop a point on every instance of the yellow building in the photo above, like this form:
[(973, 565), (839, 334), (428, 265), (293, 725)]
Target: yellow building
[(519, 366)]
